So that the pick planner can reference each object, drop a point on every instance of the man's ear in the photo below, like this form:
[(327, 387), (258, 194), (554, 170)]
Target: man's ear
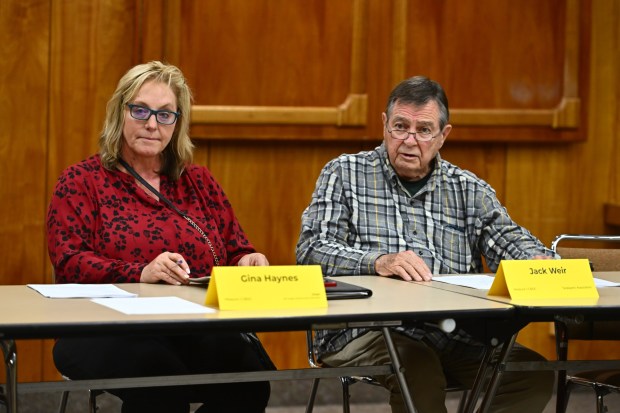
[(444, 134)]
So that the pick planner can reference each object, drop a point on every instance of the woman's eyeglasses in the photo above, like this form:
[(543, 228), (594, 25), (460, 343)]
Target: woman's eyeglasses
[(163, 117)]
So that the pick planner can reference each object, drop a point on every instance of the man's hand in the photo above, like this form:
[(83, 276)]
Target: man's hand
[(542, 257), (407, 265)]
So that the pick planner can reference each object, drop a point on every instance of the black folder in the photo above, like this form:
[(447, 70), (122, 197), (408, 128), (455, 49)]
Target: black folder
[(340, 290), (334, 289)]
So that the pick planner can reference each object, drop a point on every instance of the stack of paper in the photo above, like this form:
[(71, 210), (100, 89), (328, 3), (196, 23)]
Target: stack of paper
[(81, 291)]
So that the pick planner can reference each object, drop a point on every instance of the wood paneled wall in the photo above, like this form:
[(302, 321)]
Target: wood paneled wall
[(281, 87)]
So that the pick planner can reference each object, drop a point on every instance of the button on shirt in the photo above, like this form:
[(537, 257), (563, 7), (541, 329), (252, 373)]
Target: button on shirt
[(360, 210)]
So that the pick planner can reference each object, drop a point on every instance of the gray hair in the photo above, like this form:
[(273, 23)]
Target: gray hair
[(418, 91)]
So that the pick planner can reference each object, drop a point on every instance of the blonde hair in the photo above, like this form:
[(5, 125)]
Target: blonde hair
[(179, 152)]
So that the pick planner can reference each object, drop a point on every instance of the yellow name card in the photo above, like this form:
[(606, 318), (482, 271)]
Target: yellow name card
[(267, 287), (519, 279)]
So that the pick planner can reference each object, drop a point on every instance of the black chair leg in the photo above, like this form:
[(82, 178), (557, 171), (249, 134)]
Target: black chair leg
[(63, 401), (315, 386), (600, 403), (561, 390), (568, 387), (346, 396), (92, 400), (462, 401)]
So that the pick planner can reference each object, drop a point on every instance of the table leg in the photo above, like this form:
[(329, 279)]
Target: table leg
[(561, 350), (398, 370), (483, 372), (10, 363), (497, 374)]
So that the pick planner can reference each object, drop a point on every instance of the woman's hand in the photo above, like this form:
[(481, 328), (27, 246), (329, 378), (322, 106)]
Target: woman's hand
[(169, 267), (253, 259)]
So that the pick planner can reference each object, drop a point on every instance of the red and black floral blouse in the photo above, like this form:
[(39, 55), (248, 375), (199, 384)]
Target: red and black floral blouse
[(103, 228)]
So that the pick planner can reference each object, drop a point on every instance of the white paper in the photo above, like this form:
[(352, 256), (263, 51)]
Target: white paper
[(153, 305), (604, 283), (484, 282), (477, 281), (80, 290)]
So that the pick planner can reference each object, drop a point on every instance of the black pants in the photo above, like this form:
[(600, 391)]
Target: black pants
[(115, 357)]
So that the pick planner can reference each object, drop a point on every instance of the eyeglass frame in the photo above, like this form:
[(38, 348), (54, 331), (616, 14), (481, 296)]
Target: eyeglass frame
[(153, 112), (415, 135)]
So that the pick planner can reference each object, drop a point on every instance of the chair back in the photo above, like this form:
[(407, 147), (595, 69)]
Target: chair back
[(601, 259), (312, 359)]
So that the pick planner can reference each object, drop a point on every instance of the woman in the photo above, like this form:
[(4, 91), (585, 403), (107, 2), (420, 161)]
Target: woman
[(139, 211)]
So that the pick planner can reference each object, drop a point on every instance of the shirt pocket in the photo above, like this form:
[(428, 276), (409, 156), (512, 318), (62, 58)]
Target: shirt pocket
[(454, 250)]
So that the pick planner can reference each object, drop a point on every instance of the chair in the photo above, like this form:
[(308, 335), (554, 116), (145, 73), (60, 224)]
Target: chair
[(602, 382), (347, 381), (92, 400)]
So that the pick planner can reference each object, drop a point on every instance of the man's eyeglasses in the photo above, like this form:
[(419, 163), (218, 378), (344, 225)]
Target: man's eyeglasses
[(421, 134), (163, 117)]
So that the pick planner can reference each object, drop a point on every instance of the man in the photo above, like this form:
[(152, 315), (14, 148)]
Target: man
[(402, 210)]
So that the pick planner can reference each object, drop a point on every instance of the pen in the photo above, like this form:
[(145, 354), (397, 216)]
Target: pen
[(179, 262)]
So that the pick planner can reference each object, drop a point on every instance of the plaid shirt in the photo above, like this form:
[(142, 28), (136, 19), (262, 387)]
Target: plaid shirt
[(360, 210)]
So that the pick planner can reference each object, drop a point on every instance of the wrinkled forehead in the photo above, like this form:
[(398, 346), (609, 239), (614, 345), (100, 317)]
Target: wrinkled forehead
[(427, 113)]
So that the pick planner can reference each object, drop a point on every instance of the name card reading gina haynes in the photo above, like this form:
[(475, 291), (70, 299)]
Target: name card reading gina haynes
[(268, 287), (519, 279)]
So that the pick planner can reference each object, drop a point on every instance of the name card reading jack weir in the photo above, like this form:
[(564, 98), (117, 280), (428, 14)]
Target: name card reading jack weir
[(547, 279), (268, 287)]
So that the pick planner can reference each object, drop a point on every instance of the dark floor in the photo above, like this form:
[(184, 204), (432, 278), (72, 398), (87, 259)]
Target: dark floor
[(290, 397)]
